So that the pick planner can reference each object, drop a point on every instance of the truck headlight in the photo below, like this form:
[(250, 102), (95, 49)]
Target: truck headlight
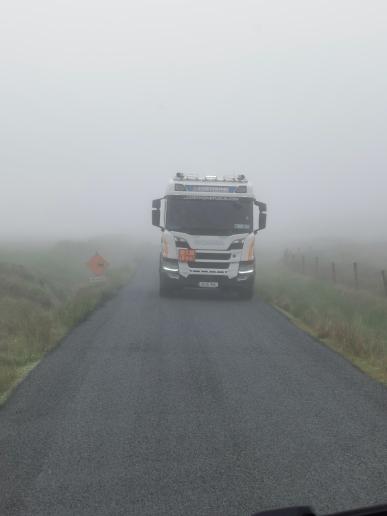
[(237, 244), (246, 268), (170, 265), (181, 243)]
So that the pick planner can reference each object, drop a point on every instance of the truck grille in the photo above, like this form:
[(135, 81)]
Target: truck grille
[(212, 256), (209, 265)]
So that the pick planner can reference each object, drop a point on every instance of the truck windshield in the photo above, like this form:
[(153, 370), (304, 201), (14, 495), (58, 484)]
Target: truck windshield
[(209, 216)]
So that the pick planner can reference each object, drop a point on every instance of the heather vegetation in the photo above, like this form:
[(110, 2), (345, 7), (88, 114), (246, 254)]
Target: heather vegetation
[(44, 292), (353, 322)]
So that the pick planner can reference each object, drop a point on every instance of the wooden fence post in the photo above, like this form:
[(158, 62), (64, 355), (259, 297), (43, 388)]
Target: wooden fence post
[(384, 278), (334, 277), (356, 275)]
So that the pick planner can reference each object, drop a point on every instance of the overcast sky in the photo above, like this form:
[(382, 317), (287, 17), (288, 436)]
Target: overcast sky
[(102, 101)]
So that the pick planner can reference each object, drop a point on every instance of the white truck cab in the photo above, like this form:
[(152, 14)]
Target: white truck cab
[(208, 229)]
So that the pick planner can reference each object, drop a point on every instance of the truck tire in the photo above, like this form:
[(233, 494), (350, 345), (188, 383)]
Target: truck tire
[(165, 287), (247, 293)]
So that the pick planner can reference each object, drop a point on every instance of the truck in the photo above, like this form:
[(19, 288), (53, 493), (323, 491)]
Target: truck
[(208, 230)]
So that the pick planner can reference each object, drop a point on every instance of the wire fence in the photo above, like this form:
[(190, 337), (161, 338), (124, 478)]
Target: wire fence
[(356, 275)]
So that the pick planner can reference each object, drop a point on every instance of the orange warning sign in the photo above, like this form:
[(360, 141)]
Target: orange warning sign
[(98, 265), (187, 255)]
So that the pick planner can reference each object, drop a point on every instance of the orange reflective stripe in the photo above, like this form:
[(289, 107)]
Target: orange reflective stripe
[(251, 251)]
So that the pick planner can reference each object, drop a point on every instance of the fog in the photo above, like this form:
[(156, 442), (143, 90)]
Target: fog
[(102, 102)]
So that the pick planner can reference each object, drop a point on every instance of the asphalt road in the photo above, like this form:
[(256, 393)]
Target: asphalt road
[(196, 405)]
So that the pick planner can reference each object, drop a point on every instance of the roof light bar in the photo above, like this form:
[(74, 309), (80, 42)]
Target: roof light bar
[(241, 189), (240, 178)]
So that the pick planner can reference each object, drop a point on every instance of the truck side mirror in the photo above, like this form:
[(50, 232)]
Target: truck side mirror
[(262, 220), (156, 218), (156, 213), (262, 215)]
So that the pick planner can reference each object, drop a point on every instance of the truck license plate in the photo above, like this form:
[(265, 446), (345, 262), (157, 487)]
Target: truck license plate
[(208, 284)]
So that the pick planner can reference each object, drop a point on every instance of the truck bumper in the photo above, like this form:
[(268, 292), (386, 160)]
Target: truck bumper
[(177, 281)]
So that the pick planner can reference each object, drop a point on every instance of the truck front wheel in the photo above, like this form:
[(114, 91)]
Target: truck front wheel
[(165, 286), (247, 293)]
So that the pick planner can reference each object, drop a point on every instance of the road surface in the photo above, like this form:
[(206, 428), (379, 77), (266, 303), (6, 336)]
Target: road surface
[(195, 405)]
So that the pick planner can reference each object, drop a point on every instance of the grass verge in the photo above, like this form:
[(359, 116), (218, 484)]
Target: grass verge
[(354, 323), (37, 311)]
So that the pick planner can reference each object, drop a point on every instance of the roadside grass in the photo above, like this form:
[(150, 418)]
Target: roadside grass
[(38, 309), (354, 323)]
